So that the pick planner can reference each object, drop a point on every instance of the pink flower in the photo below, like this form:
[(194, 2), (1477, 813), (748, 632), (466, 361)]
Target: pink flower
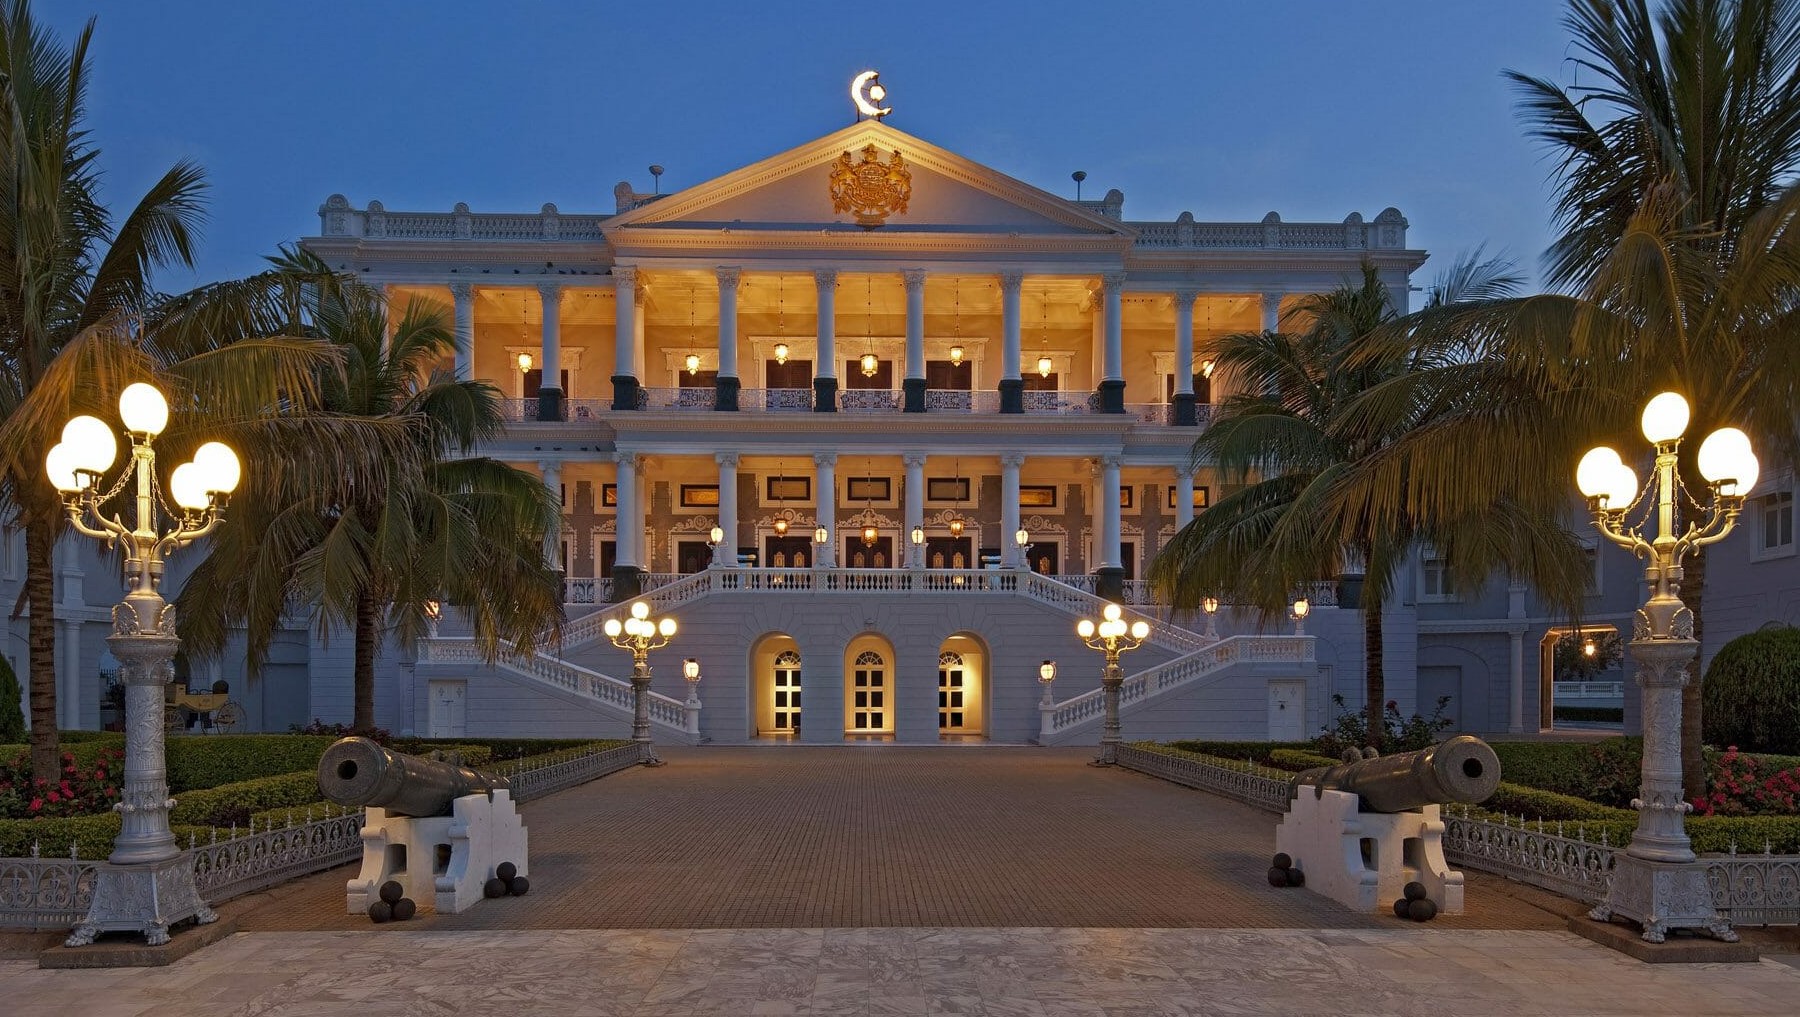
[(37, 804)]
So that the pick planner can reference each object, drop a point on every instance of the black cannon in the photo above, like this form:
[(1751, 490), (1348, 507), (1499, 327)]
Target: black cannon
[(357, 772), (1462, 769)]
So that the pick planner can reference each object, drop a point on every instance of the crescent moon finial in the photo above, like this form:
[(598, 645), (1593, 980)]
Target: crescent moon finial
[(866, 92)]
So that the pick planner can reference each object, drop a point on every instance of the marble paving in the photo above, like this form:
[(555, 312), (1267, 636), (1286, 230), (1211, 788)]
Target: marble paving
[(1015, 972)]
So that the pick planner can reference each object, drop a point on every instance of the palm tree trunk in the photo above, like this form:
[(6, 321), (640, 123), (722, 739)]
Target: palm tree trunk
[(40, 591), (368, 639), (1693, 763), (1375, 681)]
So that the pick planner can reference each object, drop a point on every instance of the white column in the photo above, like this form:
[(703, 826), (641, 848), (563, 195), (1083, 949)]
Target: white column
[(550, 301), (914, 280), (551, 471), (1113, 368), (1184, 343), (1184, 497), (728, 506), (1515, 613), (1010, 282), (1271, 308), (915, 502), (628, 525), (640, 297), (728, 324), (624, 319), (825, 499), (1009, 507), (826, 365), (464, 296), (1109, 512)]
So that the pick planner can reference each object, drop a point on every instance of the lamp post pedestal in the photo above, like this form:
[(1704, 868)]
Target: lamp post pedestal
[(147, 883), (1657, 881), (640, 709), (1110, 681)]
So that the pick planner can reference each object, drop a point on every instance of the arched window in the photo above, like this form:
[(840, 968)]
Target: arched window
[(787, 658), (869, 657), (868, 693), (950, 658), (953, 691), (784, 686)]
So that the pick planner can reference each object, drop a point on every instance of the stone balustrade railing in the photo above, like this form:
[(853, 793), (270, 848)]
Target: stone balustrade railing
[(1211, 659), (665, 712)]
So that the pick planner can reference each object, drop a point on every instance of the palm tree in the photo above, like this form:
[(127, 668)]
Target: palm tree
[(1679, 255), (1295, 432), (436, 523)]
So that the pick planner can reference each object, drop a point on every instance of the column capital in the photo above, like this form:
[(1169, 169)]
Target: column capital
[(1113, 282), (726, 459), (1185, 296), (1272, 301), (825, 458), (914, 280), (729, 276), (1011, 281), (624, 458), (1012, 459), (1184, 473), (550, 293), (1109, 461), (912, 459), (462, 292), (624, 276), (824, 277)]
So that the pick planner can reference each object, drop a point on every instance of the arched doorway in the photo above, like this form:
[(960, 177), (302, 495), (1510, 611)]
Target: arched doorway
[(962, 688), (775, 664), (1579, 669), (869, 686)]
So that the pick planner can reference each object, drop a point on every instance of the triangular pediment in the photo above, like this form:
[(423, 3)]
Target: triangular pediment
[(792, 192)]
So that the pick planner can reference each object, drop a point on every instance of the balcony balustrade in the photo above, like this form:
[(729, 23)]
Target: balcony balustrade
[(850, 401)]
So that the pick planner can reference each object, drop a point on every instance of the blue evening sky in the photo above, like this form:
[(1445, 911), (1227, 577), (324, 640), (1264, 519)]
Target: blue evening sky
[(1313, 108)]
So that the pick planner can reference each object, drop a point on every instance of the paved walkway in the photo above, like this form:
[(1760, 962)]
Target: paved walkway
[(865, 836)]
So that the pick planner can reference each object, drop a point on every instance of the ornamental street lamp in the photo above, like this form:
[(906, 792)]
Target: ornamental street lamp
[(639, 635), (715, 541), (147, 883), (1110, 637), (1211, 606), (1657, 882), (1046, 675), (1022, 542), (918, 547), (690, 671), (1302, 608)]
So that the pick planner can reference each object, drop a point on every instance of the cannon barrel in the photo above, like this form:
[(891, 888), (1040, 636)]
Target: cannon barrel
[(357, 772), (1462, 769)]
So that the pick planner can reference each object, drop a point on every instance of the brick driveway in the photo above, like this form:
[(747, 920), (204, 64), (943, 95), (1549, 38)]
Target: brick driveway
[(861, 836)]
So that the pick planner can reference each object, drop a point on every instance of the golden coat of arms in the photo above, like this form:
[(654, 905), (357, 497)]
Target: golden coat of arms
[(871, 189)]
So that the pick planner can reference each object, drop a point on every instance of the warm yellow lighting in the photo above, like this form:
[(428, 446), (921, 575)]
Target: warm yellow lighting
[(918, 535), (1112, 612), (1589, 649), (1665, 418), (1727, 460), (1047, 671), (1021, 536), (1593, 475), (692, 363), (1140, 629), (1085, 628), (821, 535), (1206, 369), (433, 610), (956, 355), (640, 610), (956, 527), (781, 527), (524, 363), (143, 409), (866, 92), (717, 535), (869, 365), (781, 353), (690, 669), (60, 466), (1044, 367), (666, 627), (1210, 605), (219, 468), (90, 444), (188, 487), (613, 628), (1302, 608)]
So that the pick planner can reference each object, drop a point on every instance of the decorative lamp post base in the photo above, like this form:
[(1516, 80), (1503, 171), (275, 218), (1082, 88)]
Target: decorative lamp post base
[(1660, 896), (143, 898)]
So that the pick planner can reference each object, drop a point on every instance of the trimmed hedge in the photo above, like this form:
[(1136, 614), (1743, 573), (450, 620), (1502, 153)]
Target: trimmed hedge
[(92, 835), (235, 803), (207, 761), (1591, 714), (1256, 752), (1296, 760), (499, 749)]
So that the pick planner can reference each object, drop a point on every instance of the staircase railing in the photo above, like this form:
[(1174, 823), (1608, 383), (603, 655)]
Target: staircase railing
[(1210, 660), (665, 712), (1080, 602)]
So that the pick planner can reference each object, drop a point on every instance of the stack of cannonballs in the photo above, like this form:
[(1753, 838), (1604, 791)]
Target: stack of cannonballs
[(1283, 873), (506, 880), (1415, 905), (394, 905)]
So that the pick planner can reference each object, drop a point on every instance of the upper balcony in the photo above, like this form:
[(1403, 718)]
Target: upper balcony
[(857, 402)]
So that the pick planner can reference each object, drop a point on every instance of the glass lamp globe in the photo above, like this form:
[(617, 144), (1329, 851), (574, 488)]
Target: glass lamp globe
[(918, 535), (1665, 418), (690, 669), (821, 536), (1302, 608), (869, 534), (870, 365), (640, 610), (1047, 671), (525, 362), (219, 468), (781, 527), (692, 363), (90, 444), (59, 466), (1045, 367), (956, 355), (1112, 612), (781, 353), (1621, 489), (1726, 456), (613, 628), (187, 485), (1085, 628), (1021, 537), (1209, 605), (1140, 629), (143, 409), (666, 627), (1593, 475), (717, 535)]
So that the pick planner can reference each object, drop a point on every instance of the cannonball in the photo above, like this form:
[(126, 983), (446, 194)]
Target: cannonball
[(1296, 877), (1283, 860), (404, 908), (519, 886), (495, 887), (1278, 877), (506, 871), (1421, 910), (381, 911), (392, 891), (1402, 908), (1414, 890)]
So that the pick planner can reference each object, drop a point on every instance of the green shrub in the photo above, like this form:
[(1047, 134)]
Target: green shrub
[(12, 715), (1256, 752), (92, 835), (1606, 772), (201, 761), (1751, 695), (1591, 714), (474, 755), (236, 802), (1295, 760), (499, 749)]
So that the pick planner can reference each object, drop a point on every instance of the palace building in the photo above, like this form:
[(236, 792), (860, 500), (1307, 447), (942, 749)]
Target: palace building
[(876, 424)]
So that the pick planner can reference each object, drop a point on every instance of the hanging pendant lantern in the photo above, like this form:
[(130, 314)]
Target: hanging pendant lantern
[(781, 353), (956, 355), (692, 363), (781, 527), (1044, 366), (956, 527), (870, 365)]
